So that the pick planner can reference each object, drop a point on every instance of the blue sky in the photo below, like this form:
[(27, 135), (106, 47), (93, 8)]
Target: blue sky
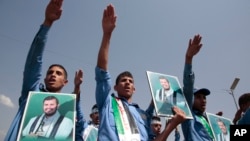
[(149, 36)]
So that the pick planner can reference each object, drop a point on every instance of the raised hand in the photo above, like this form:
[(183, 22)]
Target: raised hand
[(108, 25), (194, 47), (53, 12), (109, 19), (78, 78), (78, 81), (179, 116)]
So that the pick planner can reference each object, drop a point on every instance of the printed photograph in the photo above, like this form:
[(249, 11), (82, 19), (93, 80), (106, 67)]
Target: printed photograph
[(220, 127), (166, 93), (48, 116)]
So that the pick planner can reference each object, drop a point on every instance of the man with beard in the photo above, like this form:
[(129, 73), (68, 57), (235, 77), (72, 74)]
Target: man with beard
[(166, 93), (166, 97), (50, 124)]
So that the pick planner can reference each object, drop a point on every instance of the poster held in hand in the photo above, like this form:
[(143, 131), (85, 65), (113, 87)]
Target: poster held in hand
[(48, 116), (166, 93)]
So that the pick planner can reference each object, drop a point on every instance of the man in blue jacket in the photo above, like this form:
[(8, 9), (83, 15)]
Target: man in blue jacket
[(56, 77), (197, 129)]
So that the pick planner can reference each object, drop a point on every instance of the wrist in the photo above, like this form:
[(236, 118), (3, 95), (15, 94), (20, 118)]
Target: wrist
[(47, 22)]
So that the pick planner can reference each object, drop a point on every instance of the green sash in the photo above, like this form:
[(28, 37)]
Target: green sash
[(125, 124), (206, 125)]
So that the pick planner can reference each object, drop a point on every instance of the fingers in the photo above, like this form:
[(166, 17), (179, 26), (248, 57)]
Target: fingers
[(57, 3), (190, 42), (179, 112), (104, 13), (176, 109), (78, 77), (79, 73), (109, 11), (109, 19), (197, 39)]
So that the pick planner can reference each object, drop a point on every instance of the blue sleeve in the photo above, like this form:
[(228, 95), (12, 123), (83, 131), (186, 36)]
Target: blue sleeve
[(188, 81), (150, 111), (103, 86), (81, 123), (33, 66), (31, 78), (149, 114)]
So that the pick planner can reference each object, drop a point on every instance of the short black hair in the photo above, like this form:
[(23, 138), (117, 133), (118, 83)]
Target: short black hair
[(156, 118), (94, 106), (50, 98), (244, 98), (60, 66), (125, 73)]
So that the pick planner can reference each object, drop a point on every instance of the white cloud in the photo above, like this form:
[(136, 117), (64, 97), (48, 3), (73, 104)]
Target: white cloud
[(6, 101)]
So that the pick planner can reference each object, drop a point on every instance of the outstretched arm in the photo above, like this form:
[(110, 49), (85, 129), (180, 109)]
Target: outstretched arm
[(108, 25), (53, 12), (194, 47), (33, 65), (81, 123), (178, 118)]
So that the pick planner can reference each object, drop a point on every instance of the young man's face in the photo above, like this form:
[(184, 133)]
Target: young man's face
[(95, 117), (164, 84), (50, 107), (156, 128), (55, 79), (200, 102), (125, 87)]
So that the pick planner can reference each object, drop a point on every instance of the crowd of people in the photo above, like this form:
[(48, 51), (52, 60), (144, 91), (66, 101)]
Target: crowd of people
[(115, 116)]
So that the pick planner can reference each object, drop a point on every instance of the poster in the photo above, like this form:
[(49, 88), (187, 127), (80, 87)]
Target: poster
[(166, 93), (48, 116), (220, 127)]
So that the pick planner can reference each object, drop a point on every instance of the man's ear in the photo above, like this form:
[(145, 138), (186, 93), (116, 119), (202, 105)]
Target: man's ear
[(115, 87), (65, 82)]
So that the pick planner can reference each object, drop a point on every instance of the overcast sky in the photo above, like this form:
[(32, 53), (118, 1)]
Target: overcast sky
[(150, 36)]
